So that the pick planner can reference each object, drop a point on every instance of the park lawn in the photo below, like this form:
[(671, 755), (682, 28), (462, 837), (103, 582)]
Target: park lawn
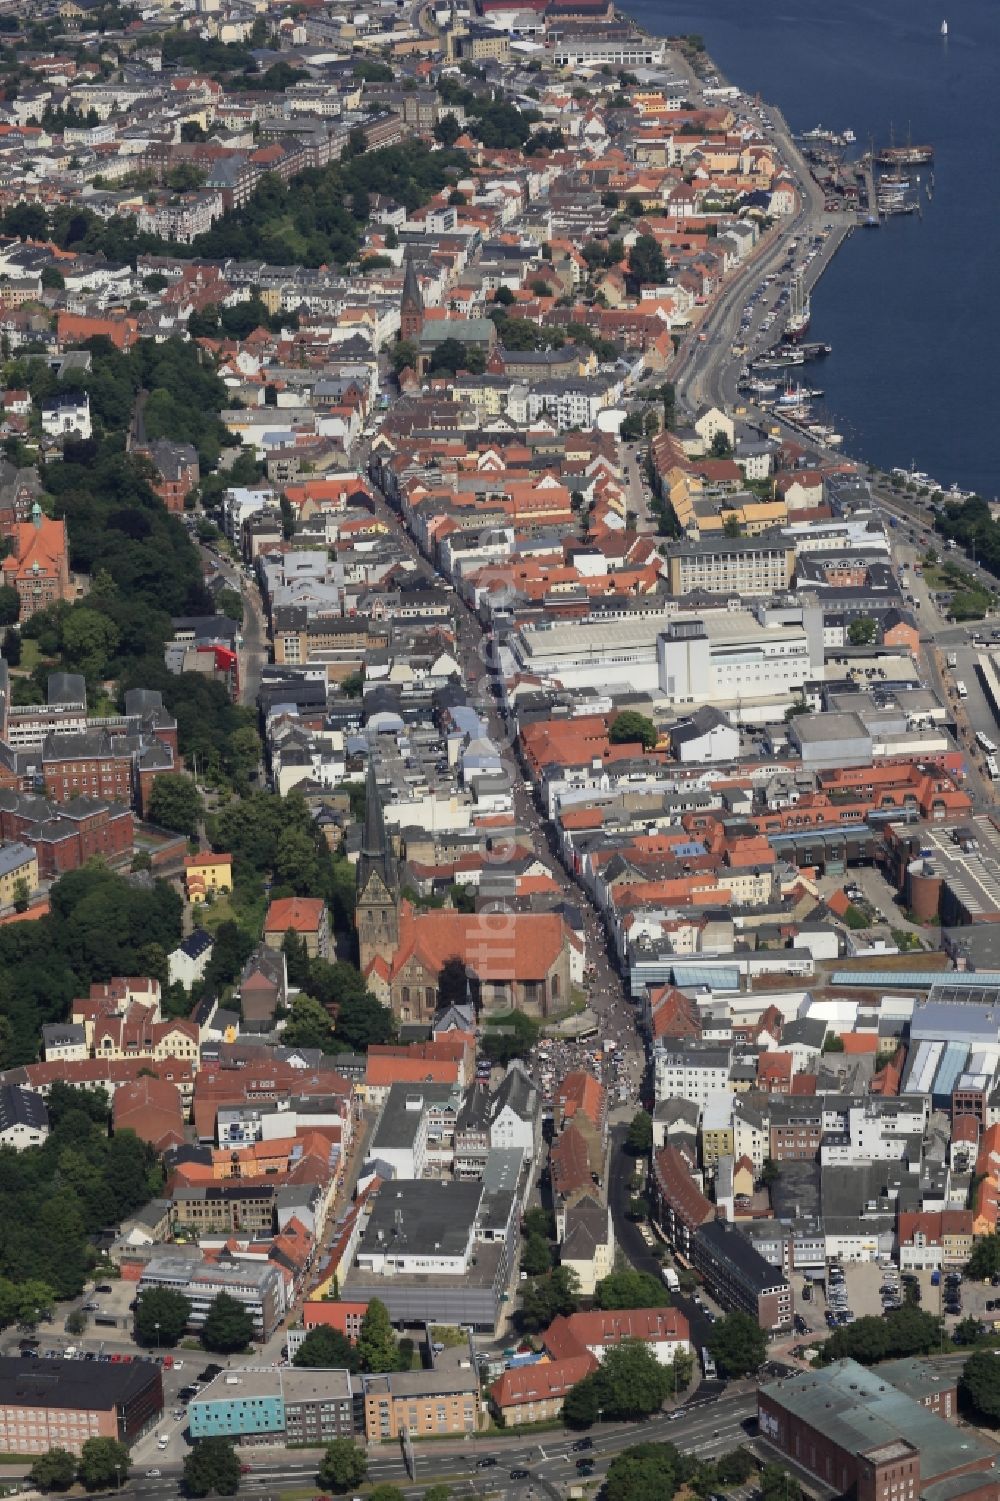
[(213, 914), (31, 655)]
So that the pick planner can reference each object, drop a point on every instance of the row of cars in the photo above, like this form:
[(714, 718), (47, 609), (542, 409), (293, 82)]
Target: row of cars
[(891, 1291), (837, 1311), (952, 1297)]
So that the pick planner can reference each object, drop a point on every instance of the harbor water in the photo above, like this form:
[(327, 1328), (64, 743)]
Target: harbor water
[(912, 309)]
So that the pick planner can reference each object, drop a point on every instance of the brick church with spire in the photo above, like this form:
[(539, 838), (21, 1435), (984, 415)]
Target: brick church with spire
[(411, 309), (377, 904)]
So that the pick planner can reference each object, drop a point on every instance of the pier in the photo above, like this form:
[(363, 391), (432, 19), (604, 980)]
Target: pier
[(865, 172)]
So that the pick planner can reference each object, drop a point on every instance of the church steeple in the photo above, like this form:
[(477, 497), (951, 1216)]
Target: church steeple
[(377, 905), (411, 308)]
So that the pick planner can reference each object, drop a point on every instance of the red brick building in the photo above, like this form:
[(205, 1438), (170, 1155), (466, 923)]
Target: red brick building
[(343, 1316), (88, 765), (152, 1109), (65, 837), (38, 563), (865, 1438), (50, 1403), (177, 471), (679, 1206)]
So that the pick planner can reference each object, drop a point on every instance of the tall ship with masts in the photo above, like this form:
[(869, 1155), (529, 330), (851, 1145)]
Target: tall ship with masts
[(799, 310), (904, 156)]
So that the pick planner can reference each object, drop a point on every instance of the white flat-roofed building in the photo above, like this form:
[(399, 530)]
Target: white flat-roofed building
[(721, 655), (594, 653)]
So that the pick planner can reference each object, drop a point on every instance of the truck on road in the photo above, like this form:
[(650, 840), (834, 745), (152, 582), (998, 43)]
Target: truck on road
[(671, 1278)]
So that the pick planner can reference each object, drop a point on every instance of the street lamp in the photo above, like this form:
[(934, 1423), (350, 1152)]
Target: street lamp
[(156, 1326), (118, 1475)]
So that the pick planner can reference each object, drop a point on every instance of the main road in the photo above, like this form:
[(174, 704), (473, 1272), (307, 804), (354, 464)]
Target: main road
[(706, 369), (706, 1427)]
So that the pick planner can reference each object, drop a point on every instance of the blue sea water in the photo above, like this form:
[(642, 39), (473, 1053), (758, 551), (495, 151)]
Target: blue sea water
[(913, 308)]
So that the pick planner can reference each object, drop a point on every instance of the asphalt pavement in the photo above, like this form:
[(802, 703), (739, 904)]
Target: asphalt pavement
[(708, 1426)]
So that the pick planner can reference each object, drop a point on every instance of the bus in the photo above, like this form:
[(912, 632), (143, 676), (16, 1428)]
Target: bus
[(961, 689), (708, 1364), (992, 768)]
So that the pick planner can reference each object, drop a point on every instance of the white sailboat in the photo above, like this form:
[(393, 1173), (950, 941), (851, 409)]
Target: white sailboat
[(944, 28)]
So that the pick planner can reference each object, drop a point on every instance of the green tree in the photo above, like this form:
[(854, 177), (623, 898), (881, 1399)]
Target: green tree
[(582, 1406), (770, 1172), (244, 750), (361, 1019), (343, 1467), (984, 1262), (89, 640), (905, 1331), (640, 1134), (536, 1258), (439, 1492), (447, 130), (734, 1468), (103, 1463), (161, 1316), (404, 353), (508, 1037), (22, 896), (52, 279), (738, 1344), (308, 1025), (966, 1331), (631, 1382), (629, 726), (776, 1484), (721, 447), (385, 1492), (175, 803), (377, 1350), (451, 356), (863, 631), (544, 1298), (212, 1468), (631, 1289), (76, 1323), (646, 264), (55, 1470), (296, 862), (539, 1221), (980, 1385), (327, 1349), (228, 1326), (645, 1472), (10, 605)]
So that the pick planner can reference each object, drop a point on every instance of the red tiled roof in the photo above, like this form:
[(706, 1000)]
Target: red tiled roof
[(511, 946), (569, 1162), (585, 1331), (540, 1382), (303, 914)]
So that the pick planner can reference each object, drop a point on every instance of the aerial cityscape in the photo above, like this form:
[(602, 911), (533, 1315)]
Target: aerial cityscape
[(499, 862)]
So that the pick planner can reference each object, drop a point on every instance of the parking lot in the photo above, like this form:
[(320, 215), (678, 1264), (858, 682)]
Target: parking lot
[(871, 1289)]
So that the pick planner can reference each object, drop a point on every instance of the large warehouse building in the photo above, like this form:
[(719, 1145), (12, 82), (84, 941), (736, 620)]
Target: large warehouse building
[(865, 1438), (47, 1404)]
